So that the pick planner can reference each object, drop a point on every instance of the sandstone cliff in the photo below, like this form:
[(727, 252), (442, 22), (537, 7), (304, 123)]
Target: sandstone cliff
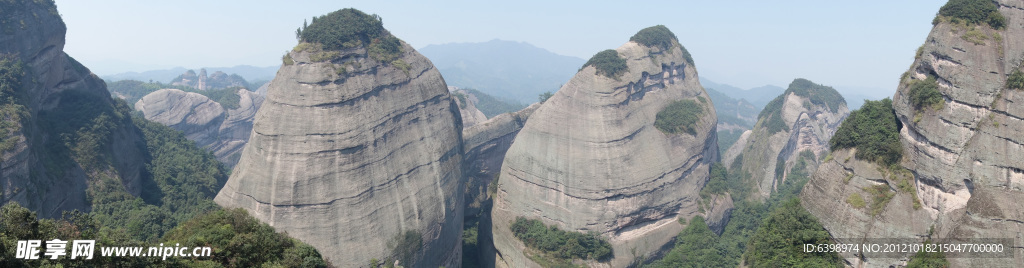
[(467, 107), (802, 119), (591, 159), (222, 131), (357, 155), (961, 141), (56, 98)]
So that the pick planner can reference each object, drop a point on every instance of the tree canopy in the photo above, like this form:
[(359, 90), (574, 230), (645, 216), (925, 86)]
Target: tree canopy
[(608, 63), (874, 131)]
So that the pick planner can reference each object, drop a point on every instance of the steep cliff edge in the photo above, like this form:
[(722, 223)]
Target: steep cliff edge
[(467, 107), (51, 160), (591, 159), (960, 138), (211, 125), (356, 149), (802, 119)]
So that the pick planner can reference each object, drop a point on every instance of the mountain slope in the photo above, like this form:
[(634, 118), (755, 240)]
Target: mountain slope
[(802, 119)]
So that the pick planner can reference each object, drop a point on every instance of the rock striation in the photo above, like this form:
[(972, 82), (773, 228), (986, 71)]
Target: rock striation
[(590, 159), (360, 158), (962, 152), (223, 131), (57, 93), (803, 118)]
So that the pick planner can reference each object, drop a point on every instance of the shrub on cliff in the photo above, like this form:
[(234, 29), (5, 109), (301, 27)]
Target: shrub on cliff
[(350, 28), (679, 116), (874, 131), (973, 12), (661, 37), (608, 63), (559, 243)]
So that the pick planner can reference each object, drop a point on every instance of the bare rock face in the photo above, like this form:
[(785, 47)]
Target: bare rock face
[(362, 163), (467, 107), (486, 145), (964, 151), (591, 159), (208, 123), (56, 85), (802, 119)]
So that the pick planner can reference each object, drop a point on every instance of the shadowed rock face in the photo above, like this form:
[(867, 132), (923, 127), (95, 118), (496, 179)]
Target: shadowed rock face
[(965, 157), (590, 158), (222, 131), (56, 83), (351, 162)]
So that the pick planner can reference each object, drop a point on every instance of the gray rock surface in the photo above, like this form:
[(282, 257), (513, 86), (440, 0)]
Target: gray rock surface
[(467, 107), (810, 127), (965, 157), (218, 80), (486, 144), (56, 82), (590, 159), (208, 123), (352, 161)]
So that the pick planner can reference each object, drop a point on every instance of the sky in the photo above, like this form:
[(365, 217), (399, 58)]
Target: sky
[(861, 45)]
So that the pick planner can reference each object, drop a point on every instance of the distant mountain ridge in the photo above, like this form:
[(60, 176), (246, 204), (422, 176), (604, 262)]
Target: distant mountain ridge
[(504, 69), (250, 73)]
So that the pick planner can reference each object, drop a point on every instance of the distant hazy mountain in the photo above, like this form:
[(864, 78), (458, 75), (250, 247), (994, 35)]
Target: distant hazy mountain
[(250, 73), (758, 96), (504, 69)]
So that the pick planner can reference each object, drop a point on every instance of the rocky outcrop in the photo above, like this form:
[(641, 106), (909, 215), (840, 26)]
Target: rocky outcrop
[(362, 163), (57, 96), (963, 153), (218, 80), (591, 160), (222, 131), (802, 119), (467, 107)]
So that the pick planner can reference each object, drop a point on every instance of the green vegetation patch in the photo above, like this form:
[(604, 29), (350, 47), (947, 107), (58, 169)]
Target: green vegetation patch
[(926, 94), (693, 247), (770, 117), (492, 106), (717, 182), (661, 37), (12, 109), (880, 197), (973, 12), (679, 116), (608, 63), (817, 94), (655, 36), (558, 243), (1016, 80), (874, 131), (239, 240), (779, 240), (855, 200), (928, 259), (351, 28)]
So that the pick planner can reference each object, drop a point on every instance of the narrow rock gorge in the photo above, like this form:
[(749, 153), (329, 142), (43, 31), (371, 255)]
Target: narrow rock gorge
[(591, 158), (357, 149)]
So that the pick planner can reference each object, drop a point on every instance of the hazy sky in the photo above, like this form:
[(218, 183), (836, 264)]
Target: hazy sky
[(850, 44)]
